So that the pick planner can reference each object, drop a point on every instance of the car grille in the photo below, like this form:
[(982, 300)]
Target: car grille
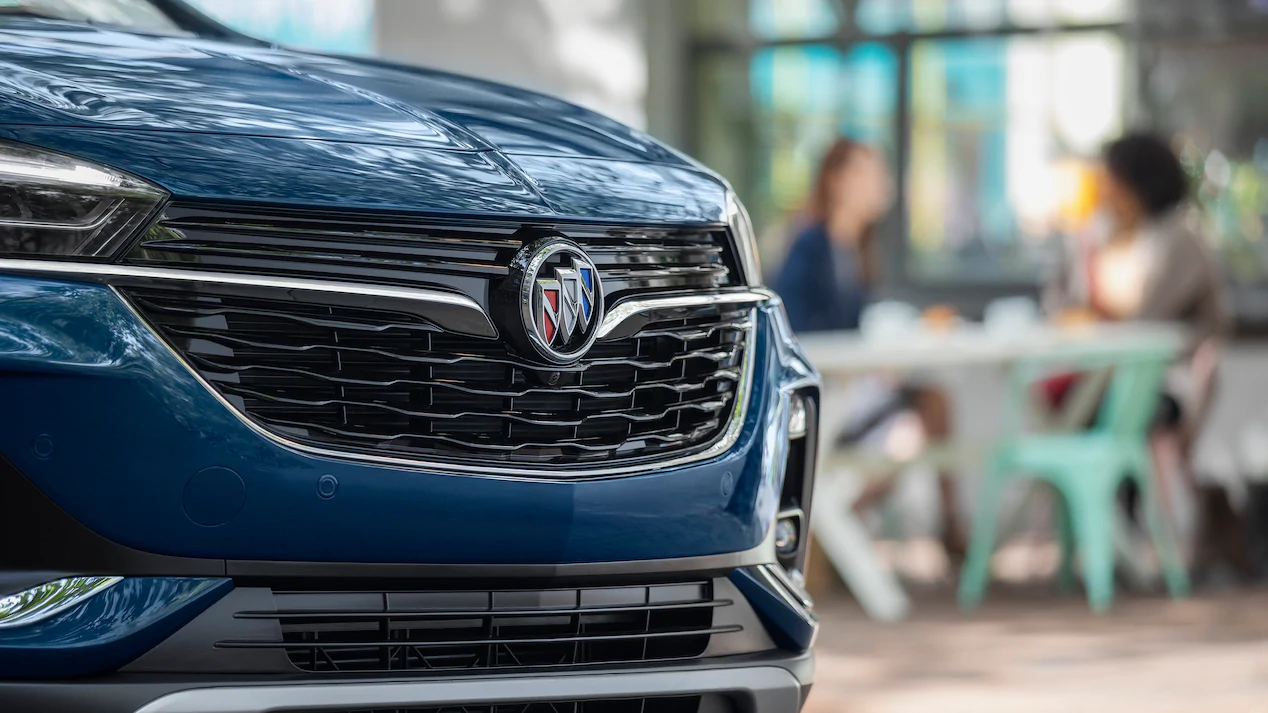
[(677, 704), (375, 381), (392, 384), (329, 632)]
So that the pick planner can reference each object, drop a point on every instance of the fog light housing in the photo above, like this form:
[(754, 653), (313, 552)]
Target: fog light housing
[(786, 537), (790, 528)]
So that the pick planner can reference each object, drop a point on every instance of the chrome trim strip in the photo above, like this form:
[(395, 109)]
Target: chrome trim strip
[(49, 599), (763, 553), (524, 472), (768, 688), (626, 309), (741, 234), (222, 278)]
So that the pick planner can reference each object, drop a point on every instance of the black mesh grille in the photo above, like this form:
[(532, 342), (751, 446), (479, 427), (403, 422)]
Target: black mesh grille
[(392, 384), (678, 704), (328, 632)]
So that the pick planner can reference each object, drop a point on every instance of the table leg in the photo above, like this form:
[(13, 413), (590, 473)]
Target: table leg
[(847, 545)]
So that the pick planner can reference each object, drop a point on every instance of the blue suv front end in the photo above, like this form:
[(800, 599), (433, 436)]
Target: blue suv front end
[(335, 385)]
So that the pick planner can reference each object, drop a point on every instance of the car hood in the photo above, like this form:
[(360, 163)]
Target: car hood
[(281, 126)]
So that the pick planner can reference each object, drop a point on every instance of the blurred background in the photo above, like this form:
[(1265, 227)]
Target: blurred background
[(991, 115)]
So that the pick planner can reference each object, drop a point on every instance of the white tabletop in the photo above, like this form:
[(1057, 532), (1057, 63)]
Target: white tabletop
[(922, 348)]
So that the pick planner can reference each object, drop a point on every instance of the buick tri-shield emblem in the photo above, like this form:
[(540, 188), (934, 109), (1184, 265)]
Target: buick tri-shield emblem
[(563, 305), (560, 299)]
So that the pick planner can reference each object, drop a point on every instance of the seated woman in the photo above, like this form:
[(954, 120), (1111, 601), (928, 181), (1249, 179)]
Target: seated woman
[(1146, 260), (826, 281)]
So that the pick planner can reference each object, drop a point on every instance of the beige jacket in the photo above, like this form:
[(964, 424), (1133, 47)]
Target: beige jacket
[(1182, 281)]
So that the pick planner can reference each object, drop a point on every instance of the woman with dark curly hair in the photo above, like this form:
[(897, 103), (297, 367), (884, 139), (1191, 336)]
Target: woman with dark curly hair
[(1147, 259)]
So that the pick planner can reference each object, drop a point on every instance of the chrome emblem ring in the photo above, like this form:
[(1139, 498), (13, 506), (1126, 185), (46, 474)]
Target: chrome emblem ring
[(560, 300)]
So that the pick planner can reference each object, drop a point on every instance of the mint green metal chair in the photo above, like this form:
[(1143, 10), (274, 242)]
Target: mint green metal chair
[(1085, 468)]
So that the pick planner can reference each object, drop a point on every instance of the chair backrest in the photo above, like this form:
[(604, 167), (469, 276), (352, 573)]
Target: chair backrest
[(1131, 398)]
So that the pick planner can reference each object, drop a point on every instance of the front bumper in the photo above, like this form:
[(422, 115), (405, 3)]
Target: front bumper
[(105, 428), (110, 425), (756, 684)]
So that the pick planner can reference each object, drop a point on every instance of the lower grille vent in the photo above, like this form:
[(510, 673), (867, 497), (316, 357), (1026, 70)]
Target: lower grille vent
[(328, 632), (679, 704)]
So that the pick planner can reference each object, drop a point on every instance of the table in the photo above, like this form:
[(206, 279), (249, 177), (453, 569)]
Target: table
[(847, 353), (844, 355)]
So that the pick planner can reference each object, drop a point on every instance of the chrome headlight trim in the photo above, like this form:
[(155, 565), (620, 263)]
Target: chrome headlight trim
[(64, 206), (745, 240), (49, 599)]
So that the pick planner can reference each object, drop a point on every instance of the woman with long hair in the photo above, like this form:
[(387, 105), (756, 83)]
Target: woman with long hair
[(832, 265), (826, 282)]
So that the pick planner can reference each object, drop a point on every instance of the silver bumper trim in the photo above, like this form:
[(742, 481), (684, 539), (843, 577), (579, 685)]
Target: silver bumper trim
[(768, 689)]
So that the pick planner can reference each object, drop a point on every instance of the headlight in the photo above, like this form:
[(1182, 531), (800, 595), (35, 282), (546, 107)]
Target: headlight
[(52, 204), (745, 240)]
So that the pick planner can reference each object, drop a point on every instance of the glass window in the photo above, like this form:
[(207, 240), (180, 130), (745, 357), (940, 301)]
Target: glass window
[(785, 106), (133, 14), (916, 16), (723, 113), (1001, 125), (338, 26), (807, 96), (1213, 107), (773, 19), (994, 123), (719, 18)]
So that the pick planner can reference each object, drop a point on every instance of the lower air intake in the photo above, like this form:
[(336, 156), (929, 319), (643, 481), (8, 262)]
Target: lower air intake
[(681, 704), (329, 632)]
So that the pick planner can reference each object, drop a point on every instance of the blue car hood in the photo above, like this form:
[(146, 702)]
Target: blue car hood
[(222, 121)]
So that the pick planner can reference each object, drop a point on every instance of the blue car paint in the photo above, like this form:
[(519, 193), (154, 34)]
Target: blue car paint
[(109, 629), (242, 123), (129, 427), (113, 426), (349, 176), (64, 74), (791, 629)]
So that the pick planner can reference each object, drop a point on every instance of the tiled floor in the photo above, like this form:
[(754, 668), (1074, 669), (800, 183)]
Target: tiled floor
[(1031, 651)]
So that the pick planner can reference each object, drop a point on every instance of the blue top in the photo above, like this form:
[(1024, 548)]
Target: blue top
[(821, 283)]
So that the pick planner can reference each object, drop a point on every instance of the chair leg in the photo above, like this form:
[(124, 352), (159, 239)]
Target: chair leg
[(1093, 516), (976, 572), (1065, 539), (1161, 532)]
